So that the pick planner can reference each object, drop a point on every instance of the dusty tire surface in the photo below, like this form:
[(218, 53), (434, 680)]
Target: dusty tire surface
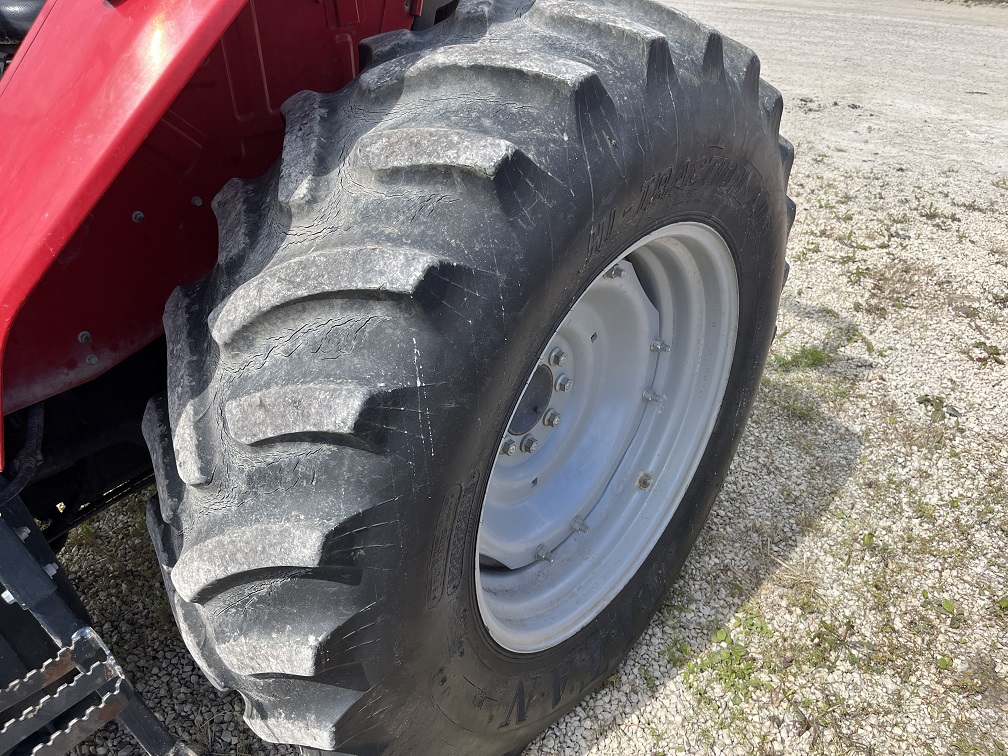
[(339, 384)]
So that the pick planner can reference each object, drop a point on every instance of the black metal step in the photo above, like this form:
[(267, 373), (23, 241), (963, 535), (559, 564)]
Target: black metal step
[(81, 688)]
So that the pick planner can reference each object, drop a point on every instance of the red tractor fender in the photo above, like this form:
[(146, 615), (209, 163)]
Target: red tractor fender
[(87, 85), (78, 158)]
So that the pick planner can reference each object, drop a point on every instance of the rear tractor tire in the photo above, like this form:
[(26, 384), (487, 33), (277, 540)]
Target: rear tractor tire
[(445, 420)]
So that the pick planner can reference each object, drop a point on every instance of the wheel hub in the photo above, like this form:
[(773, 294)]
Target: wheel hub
[(594, 402), (534, 403), (605, 436)]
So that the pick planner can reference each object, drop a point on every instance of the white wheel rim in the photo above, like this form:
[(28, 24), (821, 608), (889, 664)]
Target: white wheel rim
[(565, 527)]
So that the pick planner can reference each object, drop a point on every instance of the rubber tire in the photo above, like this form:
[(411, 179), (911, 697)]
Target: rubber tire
[(339, 384)]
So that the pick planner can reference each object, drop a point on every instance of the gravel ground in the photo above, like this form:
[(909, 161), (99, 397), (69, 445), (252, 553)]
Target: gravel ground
[(850, 592)]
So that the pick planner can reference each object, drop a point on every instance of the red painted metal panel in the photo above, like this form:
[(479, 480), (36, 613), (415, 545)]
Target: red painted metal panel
[(85, 90)]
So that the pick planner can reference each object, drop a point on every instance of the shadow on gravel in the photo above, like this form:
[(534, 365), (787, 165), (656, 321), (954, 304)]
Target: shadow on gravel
[(794, 458)]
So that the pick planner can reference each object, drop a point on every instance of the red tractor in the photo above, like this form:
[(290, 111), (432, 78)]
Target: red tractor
[(452, 317)]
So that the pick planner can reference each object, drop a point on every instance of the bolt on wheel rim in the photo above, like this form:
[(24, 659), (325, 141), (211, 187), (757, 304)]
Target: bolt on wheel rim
[(606, 436)]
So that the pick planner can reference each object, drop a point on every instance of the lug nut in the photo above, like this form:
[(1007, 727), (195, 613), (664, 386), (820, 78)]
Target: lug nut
[(579, 526), (551, 418), (650, 395), (615, 272), (558, 357), (543, 554), (529, 444), (564, 383), (8, 597), (644, 481), (509, 447), (660, 346)]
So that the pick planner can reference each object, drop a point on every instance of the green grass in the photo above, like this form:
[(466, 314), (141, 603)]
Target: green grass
[(730, 665), (799, 408), (649, 678), (805, 358), (990, 354), (87, 532)]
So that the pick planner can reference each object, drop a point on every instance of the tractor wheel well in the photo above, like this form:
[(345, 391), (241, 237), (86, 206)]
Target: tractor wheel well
[(93, 452)]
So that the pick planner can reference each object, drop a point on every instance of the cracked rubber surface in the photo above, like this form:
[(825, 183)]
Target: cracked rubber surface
[(338, 383)]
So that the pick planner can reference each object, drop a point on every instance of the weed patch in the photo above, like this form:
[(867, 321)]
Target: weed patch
[(805, 358)]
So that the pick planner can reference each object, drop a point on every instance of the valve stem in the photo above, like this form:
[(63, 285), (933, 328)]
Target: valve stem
[(650, 395)]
